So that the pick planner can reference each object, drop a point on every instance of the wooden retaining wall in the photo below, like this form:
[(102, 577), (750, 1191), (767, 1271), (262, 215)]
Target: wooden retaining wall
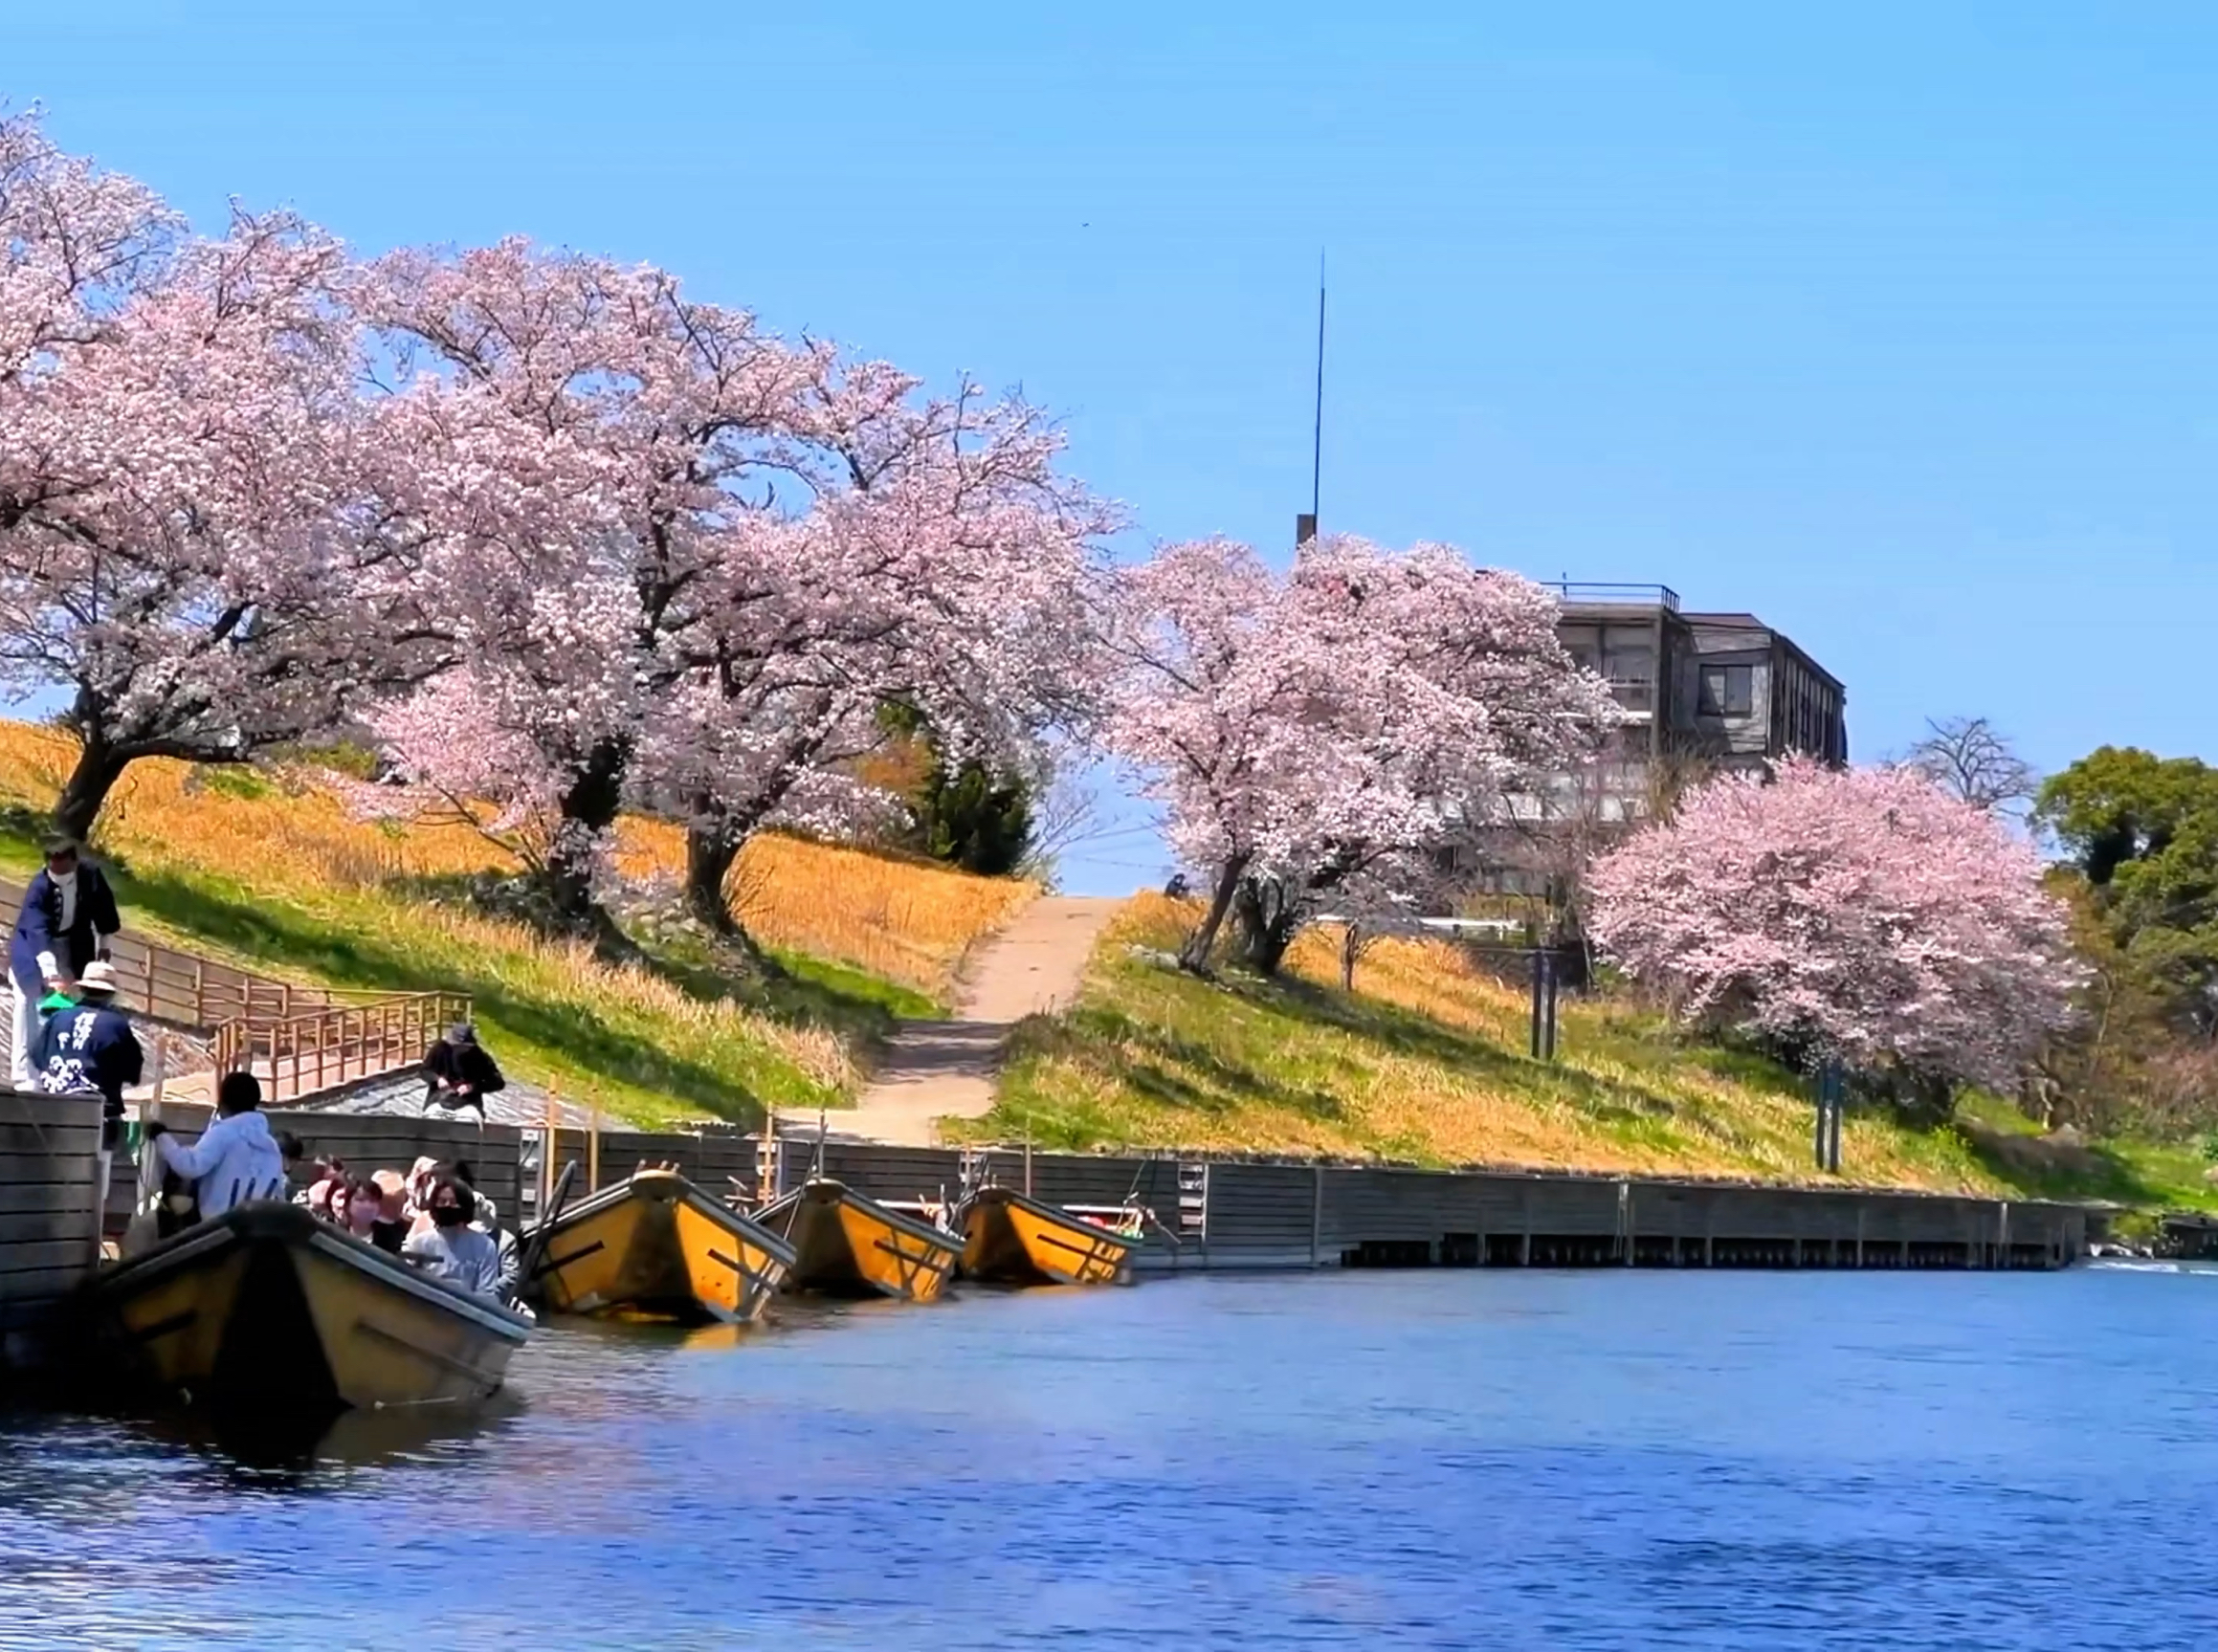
[(48, 1145), (1211, 1214)]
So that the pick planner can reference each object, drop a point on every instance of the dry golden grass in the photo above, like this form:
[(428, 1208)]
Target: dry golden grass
[(912, 921), (273, 870), (907, 920), (1426, 1062)]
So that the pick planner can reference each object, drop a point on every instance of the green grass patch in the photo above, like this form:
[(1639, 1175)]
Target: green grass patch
[(677, 1033), (1427, 1063)]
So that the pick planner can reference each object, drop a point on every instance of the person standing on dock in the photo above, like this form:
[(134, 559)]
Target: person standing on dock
[(236, 1159), (89, 1047), (68, 918)]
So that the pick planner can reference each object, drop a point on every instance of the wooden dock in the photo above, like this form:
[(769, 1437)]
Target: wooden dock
[(1210, 1213)]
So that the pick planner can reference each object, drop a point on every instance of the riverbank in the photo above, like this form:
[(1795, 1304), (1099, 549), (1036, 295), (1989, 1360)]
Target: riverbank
[(1426, 1062)]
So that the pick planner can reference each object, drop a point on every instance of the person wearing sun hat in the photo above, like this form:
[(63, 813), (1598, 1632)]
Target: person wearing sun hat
[(89, 1047)]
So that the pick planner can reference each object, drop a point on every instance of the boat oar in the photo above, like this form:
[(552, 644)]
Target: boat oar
[(542, 1230)]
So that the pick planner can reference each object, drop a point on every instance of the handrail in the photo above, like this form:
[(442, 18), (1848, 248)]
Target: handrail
[(189, 990), (306, 1055), (300, 1040)]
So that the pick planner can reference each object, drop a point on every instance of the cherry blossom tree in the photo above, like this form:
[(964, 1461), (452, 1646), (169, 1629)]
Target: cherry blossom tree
[(1864, 917), (751, 546), (943, 566), (188, 547), (590, 435), (1301, 730)]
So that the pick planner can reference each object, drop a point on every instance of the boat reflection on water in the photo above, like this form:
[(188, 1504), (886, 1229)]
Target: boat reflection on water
[(299, 1444)]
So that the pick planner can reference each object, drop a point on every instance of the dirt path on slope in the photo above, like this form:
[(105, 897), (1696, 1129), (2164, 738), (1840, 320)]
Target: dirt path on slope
[(945, 1068)]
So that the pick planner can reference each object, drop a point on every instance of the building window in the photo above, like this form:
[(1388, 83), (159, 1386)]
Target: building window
[(1728, 691)]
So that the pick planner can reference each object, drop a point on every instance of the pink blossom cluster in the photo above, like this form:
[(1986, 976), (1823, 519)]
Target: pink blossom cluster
[(1364, 707), (562, 535), (191, 534), (1862, 915)]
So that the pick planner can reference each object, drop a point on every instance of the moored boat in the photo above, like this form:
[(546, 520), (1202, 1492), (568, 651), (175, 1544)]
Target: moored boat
[(846, 1245), (654, 1245), (1009, 1237), (265, 1308)]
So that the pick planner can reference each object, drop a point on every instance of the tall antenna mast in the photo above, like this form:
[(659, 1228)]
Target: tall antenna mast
[(1305, 526)]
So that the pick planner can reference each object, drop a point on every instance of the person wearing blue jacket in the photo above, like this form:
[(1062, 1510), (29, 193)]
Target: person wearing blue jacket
[(69, 914), (90, 1049)]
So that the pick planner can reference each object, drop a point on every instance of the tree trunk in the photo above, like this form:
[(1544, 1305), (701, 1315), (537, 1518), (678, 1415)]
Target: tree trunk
[(1194, 955), (1351, 948), (709, 854), (1267, 923), (588, 810), (100, 765)]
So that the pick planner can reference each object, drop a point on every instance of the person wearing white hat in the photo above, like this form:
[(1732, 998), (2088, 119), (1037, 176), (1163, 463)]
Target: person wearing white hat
[(68, 918), (89, 1049)]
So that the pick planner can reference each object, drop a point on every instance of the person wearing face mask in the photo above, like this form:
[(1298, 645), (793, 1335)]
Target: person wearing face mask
[(392, 1228), (68, 918), (450, 1248)]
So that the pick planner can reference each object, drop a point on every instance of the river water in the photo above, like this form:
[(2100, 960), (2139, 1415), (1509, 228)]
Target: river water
[(1595, 1459)]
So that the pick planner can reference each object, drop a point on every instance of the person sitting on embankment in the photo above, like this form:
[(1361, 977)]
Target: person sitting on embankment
[(236, 1159), (450, 1248), (459, 1072)]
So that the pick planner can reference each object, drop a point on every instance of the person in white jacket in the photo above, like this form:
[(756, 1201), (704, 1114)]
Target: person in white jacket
[(236, 1159)]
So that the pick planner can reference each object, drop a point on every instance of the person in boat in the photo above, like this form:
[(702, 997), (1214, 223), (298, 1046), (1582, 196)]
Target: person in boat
[(449, 1248), (291, 1151), (237, 1160), (488, 1215), (458, 1072), (392, 1228), (90, 1046), (68, 917), (356, 1207), (424, 1177)]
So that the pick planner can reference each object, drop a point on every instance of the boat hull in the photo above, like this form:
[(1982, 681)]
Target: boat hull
[(1009, 1237), (847, 1245), (656, 1246), (267, 1308)]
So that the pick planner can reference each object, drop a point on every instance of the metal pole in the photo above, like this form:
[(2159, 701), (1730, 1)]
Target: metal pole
[(1538, 986), (1316, 439)]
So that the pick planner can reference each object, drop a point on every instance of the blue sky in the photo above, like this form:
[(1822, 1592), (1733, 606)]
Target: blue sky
[(1893, 325)]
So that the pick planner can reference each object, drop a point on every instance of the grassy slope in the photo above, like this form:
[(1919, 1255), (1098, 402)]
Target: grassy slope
[(1426, 1063), (279, 876)]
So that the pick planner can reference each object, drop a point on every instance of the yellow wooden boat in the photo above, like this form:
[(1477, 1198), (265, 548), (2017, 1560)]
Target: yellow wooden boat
[(1009, 1237), (266, 1307), (847, 1245), (656, 1245)]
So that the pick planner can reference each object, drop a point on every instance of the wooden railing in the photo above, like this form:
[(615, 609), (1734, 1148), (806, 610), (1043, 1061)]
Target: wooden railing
[(305, 1055), (189, 991), (300, 1040)]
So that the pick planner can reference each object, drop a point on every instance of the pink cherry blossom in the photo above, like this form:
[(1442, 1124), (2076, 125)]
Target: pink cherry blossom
[(1366, 706), (188, 547), (1859, 916)]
